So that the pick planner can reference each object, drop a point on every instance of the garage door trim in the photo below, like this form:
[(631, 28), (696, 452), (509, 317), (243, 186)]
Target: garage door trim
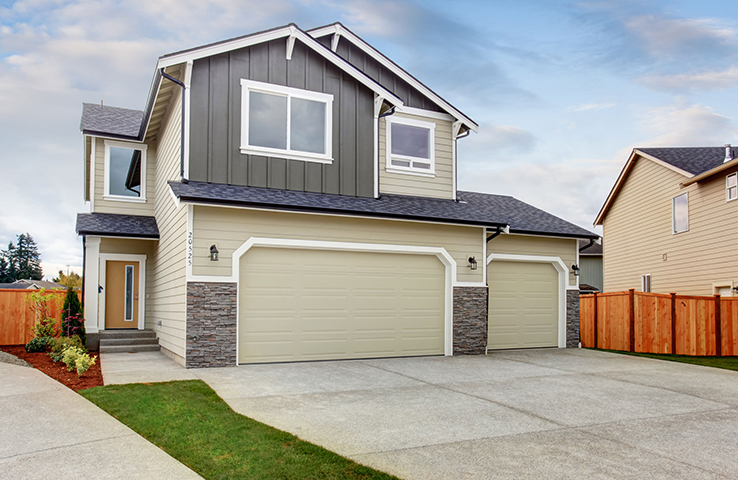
[(439, 252), (561, 269)]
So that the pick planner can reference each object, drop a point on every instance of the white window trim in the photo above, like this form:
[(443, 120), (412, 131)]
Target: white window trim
[(246, 149), (133, 146), (673, 214), (727, 188), (431, 172), (716, 286), (643, 283)]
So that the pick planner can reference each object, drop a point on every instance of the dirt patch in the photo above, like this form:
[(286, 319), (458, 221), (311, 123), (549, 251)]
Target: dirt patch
[(57, 370)]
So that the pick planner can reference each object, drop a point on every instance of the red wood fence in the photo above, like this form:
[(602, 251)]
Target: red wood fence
[(659, 323), (16, 317)]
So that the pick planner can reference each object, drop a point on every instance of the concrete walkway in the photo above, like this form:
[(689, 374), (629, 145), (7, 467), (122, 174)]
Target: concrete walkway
[(141, 367), (48, 431)]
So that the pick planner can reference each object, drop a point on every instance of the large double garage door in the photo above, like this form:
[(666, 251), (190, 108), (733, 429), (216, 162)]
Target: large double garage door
[(300, 304)]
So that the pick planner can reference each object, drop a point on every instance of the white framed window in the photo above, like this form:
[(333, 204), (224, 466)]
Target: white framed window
[(286, 122), (410, 146), (731, 187), (646, 283), (680, 213), (125, 171)]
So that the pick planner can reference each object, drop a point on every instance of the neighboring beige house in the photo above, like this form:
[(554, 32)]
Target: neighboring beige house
[(590, 264), (670, 222), (291, 195)]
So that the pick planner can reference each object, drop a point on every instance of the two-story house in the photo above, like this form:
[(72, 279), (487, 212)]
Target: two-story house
[(669, 222), (291, 195)]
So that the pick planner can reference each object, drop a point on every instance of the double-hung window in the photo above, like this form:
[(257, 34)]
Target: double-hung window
[(125, 171), (731, 187), (286, 122), (680, 213), (410, 146)]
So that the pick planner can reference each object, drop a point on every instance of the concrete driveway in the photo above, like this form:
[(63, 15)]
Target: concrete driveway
[(543, 414)]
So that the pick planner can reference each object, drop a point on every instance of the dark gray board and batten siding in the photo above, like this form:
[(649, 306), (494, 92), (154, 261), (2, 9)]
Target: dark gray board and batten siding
[(215, 125), (381, 74)]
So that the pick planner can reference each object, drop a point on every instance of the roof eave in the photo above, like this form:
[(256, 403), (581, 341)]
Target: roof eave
[(579, 236), (92, 233), (710, 173)]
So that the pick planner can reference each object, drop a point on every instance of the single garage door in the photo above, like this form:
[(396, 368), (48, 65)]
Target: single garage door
[(297, 305), (523, 305)]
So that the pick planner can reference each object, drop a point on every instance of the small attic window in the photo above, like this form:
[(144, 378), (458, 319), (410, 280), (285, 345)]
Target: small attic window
[(125, 171), (410, 146)]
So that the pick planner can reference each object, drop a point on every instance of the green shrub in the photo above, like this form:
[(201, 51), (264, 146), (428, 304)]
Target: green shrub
[(77, 358), (46, 327), (38, 344), (59, 344)]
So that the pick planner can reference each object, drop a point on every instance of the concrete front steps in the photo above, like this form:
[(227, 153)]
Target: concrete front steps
[(128, 341)]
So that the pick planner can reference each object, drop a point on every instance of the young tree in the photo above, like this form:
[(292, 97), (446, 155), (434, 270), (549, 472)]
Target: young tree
[(72, 280), (24, 260), (72, 321)]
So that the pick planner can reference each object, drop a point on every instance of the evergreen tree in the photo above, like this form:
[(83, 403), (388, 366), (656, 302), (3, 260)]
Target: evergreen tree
[(5, 276), (24, 261), (72, 321)]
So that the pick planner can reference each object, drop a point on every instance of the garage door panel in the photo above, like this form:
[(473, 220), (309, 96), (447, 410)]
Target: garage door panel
[(331, 305), (523, 305)]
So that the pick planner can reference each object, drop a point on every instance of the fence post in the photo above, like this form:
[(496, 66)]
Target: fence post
[(595, 320), (631, 318), (718, 328), (673, 323)]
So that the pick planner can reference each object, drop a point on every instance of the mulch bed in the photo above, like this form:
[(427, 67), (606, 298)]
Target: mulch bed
[(57, 370)]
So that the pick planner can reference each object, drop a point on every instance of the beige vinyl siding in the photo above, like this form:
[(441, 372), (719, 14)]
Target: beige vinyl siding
[(229, 228), (638, 229), (564, 248), (115, 206), (407, 184), (591, 271), (168, 291)]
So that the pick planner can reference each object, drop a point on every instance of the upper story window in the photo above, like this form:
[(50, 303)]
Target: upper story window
[(410, 146), (286, 122), (731, 187), (680, 213), (125, 171)]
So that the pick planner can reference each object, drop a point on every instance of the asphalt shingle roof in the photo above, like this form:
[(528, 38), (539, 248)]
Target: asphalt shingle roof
[(695, 160), (110, 224), (471, 209), (111, 120)]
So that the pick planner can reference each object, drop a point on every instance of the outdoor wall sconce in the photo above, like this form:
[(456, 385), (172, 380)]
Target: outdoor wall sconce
[(472, 263), (575, 269), (213, 253)]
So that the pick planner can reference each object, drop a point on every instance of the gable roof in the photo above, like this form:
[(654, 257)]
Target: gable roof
[(289, 32), (111, 121), (634, 155), (339, 30), (477, 209), (695, 160)]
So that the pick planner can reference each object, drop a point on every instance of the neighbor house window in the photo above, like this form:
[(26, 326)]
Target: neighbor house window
[(731, 186), (410, 146), (125, 171), (680, 213), (646, 283), (286, 122)]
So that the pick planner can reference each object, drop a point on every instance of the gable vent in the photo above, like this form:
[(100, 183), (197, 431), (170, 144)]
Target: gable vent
[(728, 153)]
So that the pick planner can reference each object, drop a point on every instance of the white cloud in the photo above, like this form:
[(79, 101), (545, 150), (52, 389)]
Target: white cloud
[(592, 106), (496, 139), (673, 37), (694, 82), (685, 125)]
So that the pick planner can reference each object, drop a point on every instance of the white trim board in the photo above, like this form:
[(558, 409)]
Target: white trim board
[(283, 32), (439, 252), (563, 274), (123, 257)]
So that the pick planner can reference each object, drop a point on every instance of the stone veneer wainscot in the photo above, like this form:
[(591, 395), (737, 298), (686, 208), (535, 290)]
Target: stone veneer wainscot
[(572, 318), (470, 320), (211, 325)]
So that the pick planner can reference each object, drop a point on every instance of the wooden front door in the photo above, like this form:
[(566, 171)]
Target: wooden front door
[(121, 294)]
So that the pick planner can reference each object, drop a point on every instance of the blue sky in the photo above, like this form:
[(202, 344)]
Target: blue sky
[(562, 90)]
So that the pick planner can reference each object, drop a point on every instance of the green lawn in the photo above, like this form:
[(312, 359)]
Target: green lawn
[(728, 363), (193, 424)]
